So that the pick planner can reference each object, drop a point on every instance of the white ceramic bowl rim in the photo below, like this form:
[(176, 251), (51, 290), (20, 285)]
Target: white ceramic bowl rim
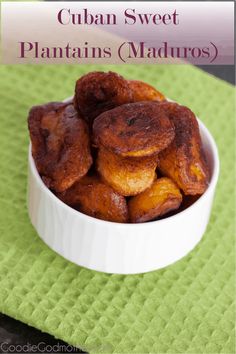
[(212, 184)]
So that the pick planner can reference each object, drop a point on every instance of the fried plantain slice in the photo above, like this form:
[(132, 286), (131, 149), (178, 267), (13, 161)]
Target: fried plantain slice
[(184, 159), (97, 92), (60, 144), (134, 129), (162, 197), (128, 176), (144, 92), (93, 197)]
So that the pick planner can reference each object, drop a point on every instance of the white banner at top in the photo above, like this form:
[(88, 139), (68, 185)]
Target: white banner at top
[(117, 32)]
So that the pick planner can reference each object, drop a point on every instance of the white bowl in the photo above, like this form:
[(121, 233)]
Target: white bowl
[(120, 248)]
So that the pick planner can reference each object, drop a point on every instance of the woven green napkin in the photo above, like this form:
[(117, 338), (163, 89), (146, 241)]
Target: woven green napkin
[(184, 308)]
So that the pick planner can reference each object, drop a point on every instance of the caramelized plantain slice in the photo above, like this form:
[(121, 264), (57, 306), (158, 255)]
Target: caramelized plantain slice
[(135, 129), (144, 92), (93, 197), (162, 197), (184, 160), (97, 92), (60, 144), (128, 176)]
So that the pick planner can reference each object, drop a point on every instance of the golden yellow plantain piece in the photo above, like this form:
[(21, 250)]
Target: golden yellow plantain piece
[(162, 197), (128, 176), (184, 159), (144, 92)]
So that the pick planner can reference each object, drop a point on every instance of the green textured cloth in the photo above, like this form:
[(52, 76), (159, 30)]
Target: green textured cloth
[(187, 307)]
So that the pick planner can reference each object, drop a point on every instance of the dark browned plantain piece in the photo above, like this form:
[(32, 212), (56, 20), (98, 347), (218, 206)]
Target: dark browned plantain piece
[(97, 92), (134, 129), (60, 144), (93, 197), (162, 197)]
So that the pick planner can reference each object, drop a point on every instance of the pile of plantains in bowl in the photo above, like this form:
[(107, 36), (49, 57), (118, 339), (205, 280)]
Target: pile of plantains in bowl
[(119, 151)]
